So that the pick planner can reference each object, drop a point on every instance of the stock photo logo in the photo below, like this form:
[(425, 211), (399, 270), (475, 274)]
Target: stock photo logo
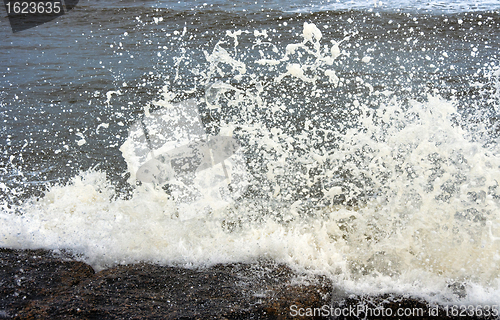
[(172, 151), (24, 15)]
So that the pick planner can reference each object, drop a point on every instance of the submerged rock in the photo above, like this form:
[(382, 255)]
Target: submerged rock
[(38, 284)]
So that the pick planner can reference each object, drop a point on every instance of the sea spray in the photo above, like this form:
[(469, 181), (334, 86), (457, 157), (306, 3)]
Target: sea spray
[(380, 191)]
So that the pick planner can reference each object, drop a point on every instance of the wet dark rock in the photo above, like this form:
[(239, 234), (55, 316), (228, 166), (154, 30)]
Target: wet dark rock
[(38, 284), (28, 276)]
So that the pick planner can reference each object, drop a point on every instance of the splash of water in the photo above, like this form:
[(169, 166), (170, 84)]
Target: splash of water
[(398, 195)]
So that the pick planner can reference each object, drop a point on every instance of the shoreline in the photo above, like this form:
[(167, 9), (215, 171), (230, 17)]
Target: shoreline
[(41, 284)]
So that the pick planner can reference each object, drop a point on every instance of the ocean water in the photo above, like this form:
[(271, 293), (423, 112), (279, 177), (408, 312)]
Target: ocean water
[(366, 139)]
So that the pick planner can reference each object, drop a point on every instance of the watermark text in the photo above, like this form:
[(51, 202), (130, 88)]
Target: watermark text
[(369, 311)]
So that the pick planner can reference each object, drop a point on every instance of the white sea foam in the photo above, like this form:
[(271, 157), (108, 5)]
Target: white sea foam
[(420, 210)]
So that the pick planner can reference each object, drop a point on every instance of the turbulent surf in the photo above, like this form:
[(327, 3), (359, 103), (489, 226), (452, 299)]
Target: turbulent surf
[(357, 143)]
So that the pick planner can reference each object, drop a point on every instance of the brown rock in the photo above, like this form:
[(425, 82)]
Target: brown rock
[(37, 284), (28, 276)]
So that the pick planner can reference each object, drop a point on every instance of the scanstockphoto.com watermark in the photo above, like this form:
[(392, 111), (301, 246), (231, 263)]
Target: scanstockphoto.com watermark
[(367, 311), (357, 311)]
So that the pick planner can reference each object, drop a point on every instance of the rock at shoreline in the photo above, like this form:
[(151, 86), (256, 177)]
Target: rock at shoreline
[(38, 284)]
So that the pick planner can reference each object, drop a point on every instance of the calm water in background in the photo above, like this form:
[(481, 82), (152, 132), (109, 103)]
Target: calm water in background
[(71, 88)]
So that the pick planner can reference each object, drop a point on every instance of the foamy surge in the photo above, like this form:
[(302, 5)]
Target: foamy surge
[(400, 197)]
